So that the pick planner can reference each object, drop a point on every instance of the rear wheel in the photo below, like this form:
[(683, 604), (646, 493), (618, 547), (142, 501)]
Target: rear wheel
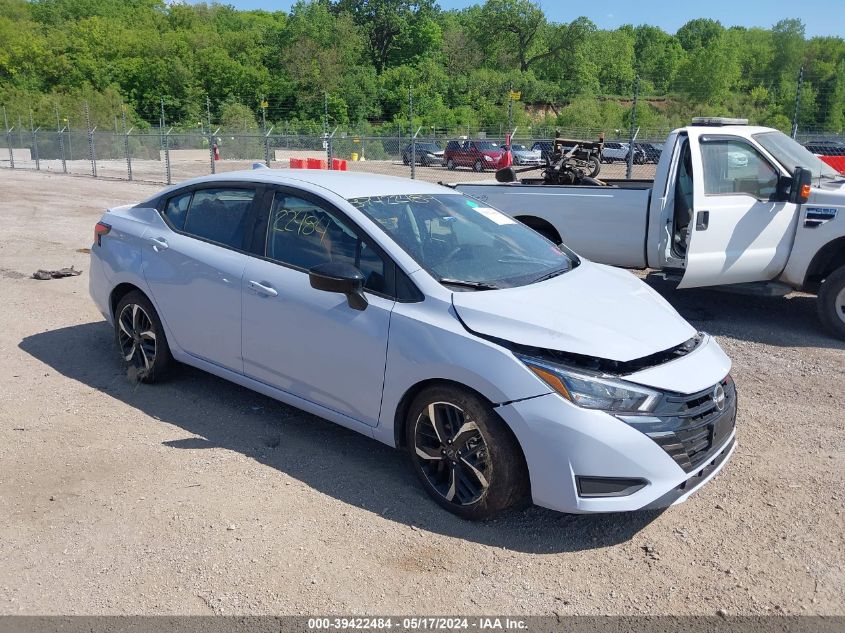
[(831, 302), (595, 167), (464, 455), (140, 338)]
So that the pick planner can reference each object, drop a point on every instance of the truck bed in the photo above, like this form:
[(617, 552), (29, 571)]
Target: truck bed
[(604, 224)]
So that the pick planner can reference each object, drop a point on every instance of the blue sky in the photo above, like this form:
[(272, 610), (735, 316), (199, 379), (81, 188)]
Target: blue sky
[(822, 17)]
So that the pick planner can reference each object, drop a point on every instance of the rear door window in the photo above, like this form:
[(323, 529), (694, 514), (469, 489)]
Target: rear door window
[(220, 215), (177, 210)]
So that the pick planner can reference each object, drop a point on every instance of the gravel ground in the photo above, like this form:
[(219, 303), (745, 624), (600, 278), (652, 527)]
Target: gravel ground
[(198, 496)]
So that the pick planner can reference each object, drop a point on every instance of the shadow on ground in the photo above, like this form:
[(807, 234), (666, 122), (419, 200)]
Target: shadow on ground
[(789, 321), (333, 460)]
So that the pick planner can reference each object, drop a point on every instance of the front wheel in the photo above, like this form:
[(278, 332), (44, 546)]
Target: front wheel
[(140, 338), (450, 165), (595, 167), (478, 165), (463, 453), (831, 302)]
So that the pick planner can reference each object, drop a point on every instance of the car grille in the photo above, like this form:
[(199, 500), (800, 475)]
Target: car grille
[(691, 427)]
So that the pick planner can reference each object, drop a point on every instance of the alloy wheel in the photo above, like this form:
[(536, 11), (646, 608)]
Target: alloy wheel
[(452, 453), (136, 337)]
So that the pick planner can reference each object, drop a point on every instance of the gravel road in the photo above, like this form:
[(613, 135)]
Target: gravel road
[(198, 496)]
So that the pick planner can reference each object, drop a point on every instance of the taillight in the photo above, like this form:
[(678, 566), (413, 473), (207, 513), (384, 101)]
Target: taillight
[(100, 229)]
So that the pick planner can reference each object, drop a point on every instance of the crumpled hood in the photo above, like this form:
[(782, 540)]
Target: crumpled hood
[(594, 310)]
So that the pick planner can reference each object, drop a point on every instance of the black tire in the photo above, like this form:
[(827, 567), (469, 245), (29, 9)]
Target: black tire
[(484, 452), (831, 302), (406, 160), (595, 167), (450, 165), (138, 331), (478, 165)]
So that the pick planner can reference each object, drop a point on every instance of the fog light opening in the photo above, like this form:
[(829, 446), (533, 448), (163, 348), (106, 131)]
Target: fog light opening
[(592, 487)]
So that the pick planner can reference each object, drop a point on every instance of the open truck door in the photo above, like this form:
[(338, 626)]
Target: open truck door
[(744, 213)]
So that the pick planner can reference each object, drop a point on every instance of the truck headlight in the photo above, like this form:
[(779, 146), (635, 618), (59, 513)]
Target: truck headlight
[(591, 391)]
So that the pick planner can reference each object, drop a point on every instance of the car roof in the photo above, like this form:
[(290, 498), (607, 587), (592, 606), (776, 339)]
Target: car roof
[(343, 183)]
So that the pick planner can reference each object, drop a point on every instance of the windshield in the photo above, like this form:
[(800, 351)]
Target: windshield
[(792, 154), (486, 146), (430, 147), (456, 239)]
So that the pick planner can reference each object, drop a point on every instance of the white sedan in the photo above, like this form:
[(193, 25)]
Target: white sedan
[(505, 366)]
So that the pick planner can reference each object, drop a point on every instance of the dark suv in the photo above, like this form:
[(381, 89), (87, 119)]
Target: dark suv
[(651, 151), (425, 153), (824, 147), (479, 155)]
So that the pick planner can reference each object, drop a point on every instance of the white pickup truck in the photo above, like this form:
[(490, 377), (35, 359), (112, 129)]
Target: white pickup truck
[(730, 205)]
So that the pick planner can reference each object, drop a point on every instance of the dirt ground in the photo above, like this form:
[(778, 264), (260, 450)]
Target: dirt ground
[(198, 496)]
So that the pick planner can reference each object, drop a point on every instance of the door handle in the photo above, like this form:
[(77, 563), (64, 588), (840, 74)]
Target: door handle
[(262, 289), (702, 220), (159, 243)]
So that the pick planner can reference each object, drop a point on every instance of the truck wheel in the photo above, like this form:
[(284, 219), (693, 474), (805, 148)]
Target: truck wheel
[(464, 454), (831, 302), (595, 167)]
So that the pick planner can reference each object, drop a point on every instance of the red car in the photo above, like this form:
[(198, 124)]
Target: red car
[(479, 155)]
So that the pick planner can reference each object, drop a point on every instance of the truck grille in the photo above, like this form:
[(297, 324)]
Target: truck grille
[(690, 427)]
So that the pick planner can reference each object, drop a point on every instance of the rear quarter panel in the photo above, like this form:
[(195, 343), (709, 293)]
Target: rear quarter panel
[(119, 259)]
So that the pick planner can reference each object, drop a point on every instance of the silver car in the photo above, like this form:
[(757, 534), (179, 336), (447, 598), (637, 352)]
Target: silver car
[(505, 366), (522, 155)]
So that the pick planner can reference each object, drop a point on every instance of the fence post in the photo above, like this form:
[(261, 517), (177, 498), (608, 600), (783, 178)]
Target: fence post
[(267, 145), (35, 148), (61, 137), (34, 131), (630, 169), (91, 149), (167, 155), (211, 150), (9, 138), (797, 102), (414, 137), (126, 151)]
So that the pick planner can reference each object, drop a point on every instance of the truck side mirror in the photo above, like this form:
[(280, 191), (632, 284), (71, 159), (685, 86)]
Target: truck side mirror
[(799, 191)]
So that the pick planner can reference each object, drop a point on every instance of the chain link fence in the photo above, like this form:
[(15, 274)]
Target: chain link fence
[(173, 157)]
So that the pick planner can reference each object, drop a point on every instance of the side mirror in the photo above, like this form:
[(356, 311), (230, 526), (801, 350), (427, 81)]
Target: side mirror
[(799, 191), (342, 278), (506, 174)]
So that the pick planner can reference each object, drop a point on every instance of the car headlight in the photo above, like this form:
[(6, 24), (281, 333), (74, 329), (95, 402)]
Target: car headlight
[(489, 159), (591, 391)]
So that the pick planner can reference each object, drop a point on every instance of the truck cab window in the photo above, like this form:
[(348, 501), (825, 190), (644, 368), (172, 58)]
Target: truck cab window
[(736, 167)]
